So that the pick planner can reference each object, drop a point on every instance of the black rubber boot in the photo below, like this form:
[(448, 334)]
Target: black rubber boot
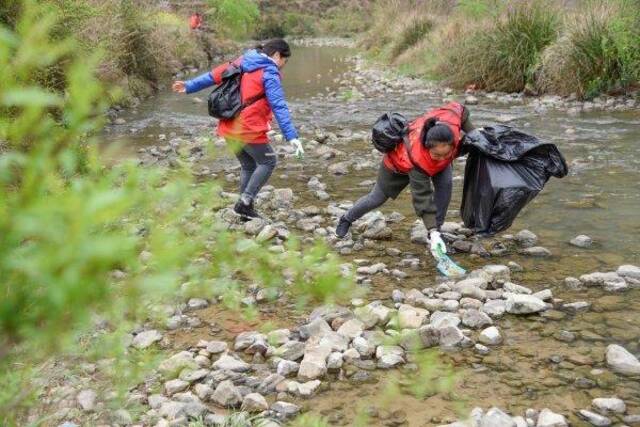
[(343, 227)]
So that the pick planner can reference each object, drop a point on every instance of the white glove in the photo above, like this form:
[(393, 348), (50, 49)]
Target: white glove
[(297, 146), (436, 243)]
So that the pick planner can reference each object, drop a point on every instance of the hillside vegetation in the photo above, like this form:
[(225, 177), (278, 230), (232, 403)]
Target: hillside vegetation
[(552, 46)]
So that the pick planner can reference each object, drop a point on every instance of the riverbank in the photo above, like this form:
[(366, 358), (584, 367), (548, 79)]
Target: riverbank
[(554, 357), (576, 50)]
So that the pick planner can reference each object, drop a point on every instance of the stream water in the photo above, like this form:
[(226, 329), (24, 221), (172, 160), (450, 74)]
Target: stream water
[(600, 198)]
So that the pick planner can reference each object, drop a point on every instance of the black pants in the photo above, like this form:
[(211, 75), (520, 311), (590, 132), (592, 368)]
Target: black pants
[(257, 163), (390, 184)]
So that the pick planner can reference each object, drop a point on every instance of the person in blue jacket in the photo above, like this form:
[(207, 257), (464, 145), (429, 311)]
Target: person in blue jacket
[(262, 93)]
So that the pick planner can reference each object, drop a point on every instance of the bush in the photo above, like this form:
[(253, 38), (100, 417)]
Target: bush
[(411, 34), (234, 18), (87, 251), (599, 51), (500, 54)]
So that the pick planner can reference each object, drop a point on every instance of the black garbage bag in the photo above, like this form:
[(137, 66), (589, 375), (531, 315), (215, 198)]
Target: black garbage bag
[(505, 170), (388, 131)]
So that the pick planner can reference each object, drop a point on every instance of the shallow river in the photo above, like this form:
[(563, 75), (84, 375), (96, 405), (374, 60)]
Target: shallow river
[(600, 197)]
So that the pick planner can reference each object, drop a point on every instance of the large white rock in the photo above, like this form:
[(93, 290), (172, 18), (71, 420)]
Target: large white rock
[(351, 328), (226, 395), (441, 319), (410, 317), (594, 419), (228, 363), (621, 361), (524, 304), (145, 339), (490, 336), (496, 418), (254, 402), (548, 418), (607, 405), (314, 362)]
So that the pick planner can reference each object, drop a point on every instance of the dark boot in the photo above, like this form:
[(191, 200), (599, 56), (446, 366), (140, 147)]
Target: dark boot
[(246, 211), (343, 227)]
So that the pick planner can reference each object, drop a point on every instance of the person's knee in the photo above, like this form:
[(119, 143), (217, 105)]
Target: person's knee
[(270, 162)]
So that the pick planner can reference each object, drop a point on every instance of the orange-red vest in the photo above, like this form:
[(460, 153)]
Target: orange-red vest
[(399, 159)]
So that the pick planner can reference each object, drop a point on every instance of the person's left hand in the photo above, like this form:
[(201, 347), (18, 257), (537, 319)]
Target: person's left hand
[(297, 146)]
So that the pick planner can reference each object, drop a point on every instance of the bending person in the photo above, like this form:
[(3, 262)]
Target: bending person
[(261, 92), (432, 143)]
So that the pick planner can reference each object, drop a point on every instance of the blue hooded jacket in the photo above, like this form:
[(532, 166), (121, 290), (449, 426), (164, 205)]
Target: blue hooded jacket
[(252, 60)]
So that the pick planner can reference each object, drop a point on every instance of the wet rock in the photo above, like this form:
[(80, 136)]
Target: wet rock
[(254, 402), (494, 308), (228, 363), (287, 367), (497, 272), (476, 319), (175, 386), (526, 238), (282, 198), (419, 233), (565, 336), (429, 336), (334, 361), (351, 328), (389, 361), (496, 418), (203, 391), (463, 246), (171, 367), (577, 307), (226, 395), (314, 362), (450, 336), (292, 350), (340, 168), (536, 251), (610, 405), (630, 273), (514, 266), (632, 419), (269, 384), (594, 419), (87, 400), (516, 289), (411, 317), (145, 339), (197, 303), (316, 327), (172, 410), (524, 304), (374, 226), (601, 279), (482, 350), (285, 409), (490, 336), (548, 418), (544, 295), (470, 288), (254, 226), (621, 361), (303, 389), (364, 347), (581, 241)]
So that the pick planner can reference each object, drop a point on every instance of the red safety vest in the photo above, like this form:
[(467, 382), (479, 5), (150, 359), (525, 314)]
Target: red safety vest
[(399, 160), (253, 123)]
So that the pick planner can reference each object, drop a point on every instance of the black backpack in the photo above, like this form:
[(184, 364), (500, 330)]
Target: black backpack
[(388, 131), (225, 101)]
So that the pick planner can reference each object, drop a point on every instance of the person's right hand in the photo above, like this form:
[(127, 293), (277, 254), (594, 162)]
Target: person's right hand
[(179, 87)]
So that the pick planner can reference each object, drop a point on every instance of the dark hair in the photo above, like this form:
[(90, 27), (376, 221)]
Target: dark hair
[(273, 46), (434, 131)]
